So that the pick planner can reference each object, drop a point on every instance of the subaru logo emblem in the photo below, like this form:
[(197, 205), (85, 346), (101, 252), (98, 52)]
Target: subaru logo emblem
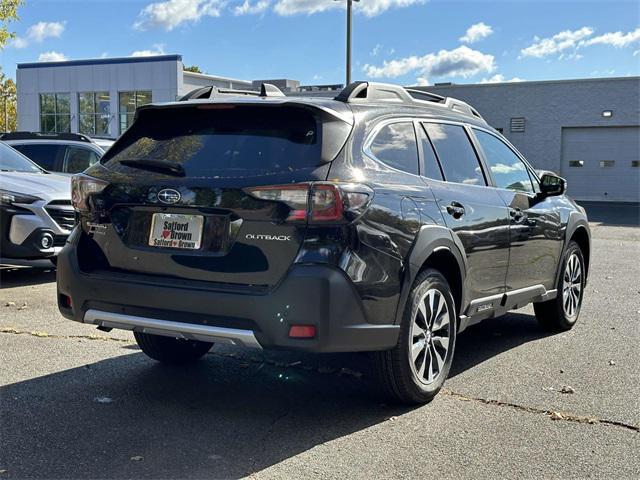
[(169, 195)]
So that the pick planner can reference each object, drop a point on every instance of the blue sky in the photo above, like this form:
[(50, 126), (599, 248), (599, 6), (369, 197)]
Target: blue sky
[(403, 41)]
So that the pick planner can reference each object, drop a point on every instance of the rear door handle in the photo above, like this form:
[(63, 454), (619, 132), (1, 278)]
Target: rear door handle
[(455, 209)]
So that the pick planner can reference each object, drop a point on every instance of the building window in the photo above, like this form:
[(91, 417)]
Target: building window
[(55, 113), (95, 113), (129, 101), (517, 124), (607, 163), (576, 163), (635, 163)]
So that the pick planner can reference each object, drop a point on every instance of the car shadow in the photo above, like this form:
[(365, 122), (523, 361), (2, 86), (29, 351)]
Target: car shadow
[(234, 413), (613, 214), (26, 273)]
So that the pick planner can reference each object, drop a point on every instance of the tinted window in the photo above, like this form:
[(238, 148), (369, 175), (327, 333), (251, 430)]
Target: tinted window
[(395, 145), (431, 169), (43, 155), (12, 161), (223, 140), (77, 159), (457, 157), (506, 167)]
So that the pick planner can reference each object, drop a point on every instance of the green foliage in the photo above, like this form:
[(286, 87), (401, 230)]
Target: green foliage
[(8, 111), (192, 69), (8, 13)]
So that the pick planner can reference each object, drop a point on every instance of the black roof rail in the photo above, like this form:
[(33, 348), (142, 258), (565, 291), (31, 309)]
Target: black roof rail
[(266, 90), (372, 92), (77, 137), (366, 92), (428, 96)]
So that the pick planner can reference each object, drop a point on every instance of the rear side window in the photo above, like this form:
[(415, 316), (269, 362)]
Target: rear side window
[(44, 155), (457, 157), (77, 159), (395, 144), (223, 140), (506, 167)]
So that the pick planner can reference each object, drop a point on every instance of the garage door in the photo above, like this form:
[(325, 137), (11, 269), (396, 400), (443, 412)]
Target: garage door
[(602, 163)]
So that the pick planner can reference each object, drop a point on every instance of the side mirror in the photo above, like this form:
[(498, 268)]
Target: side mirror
[(552, 185)]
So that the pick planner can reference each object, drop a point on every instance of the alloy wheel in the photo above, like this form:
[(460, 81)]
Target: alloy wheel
[(430, 336), (572, 286)]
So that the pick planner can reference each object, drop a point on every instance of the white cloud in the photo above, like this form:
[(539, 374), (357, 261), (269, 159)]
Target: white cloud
[(369, 8), (615, 39), (422, 82), (556, 44), (52, 57), (476, 32), (499, 78), (376, 50), (172, 13), (158, 49), (247, 8), (462, 62), (38, 32)]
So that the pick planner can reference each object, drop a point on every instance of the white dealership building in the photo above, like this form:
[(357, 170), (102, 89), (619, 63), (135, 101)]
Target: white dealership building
[(99, 96)]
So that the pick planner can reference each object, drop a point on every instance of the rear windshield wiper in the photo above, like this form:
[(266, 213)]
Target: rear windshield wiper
[(160, 166)]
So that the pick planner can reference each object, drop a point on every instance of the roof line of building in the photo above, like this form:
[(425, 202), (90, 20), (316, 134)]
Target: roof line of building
[(524, 82), (101, 61)]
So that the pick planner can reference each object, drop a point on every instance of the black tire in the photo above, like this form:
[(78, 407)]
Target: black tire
[(171, 351), (396, 371), (552, 314)]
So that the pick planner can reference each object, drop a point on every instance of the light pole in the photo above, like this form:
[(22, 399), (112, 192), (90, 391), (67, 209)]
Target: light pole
[(349, 9)]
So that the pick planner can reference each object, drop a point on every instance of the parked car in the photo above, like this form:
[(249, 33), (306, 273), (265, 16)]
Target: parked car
[(66, 153), (103, 143), (384, 220), (36, 215)]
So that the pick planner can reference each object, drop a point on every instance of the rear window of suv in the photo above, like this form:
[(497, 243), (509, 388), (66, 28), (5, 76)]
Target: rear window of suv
[(222, 140)]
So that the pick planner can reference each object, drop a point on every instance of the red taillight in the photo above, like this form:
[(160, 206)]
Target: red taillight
[(83, 186), (318, 202), (302, 331), (326, 204), (65, 301)]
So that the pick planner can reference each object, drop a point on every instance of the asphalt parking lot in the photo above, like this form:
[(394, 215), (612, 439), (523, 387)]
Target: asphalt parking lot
[(79, 403)]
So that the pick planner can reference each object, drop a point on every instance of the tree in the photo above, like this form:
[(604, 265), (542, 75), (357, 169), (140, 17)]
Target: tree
[(192, 69), (8, 111), (8, 13), (8, 115)]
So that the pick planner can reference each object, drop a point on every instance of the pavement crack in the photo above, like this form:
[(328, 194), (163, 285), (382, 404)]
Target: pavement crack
[(39, 334), (552, 414)]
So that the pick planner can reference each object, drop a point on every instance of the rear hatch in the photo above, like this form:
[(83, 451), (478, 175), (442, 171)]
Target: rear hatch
[(211, 192)]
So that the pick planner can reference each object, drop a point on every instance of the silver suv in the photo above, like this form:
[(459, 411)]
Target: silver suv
[(36, 216), (65, 153)]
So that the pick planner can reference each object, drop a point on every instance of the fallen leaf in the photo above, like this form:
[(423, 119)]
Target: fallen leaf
[(567, 389), (23, 306), (136, 458), (10, 304), (555, 415), (611, 362), (392, 419), (39, 334)]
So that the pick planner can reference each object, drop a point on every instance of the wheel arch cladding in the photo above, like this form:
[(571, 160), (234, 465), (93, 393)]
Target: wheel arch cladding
[(435, 248), (581, 237)]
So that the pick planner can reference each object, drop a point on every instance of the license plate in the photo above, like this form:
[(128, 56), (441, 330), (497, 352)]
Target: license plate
[(174, 230)]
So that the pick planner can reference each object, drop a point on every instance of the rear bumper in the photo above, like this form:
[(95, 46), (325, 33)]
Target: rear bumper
[(317, 295)]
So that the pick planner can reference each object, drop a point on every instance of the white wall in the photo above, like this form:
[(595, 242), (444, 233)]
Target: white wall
[(163, 77)]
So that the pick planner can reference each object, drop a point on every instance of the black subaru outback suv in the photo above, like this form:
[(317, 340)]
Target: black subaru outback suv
[(384, 220)]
